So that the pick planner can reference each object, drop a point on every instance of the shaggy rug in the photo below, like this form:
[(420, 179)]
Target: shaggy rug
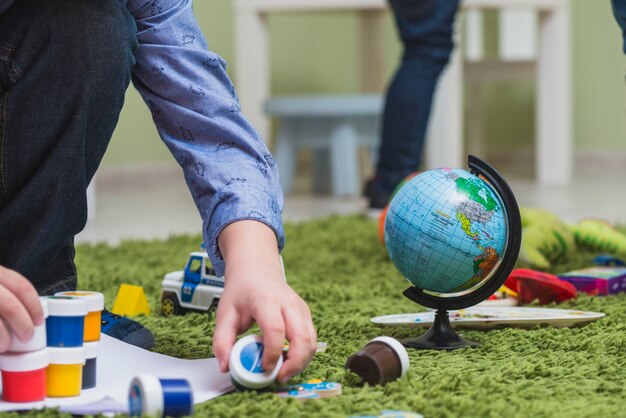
[(338, 266)]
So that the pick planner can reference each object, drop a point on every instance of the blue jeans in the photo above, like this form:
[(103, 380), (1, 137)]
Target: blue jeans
[(64, 69), (619, 10), (426, 30)]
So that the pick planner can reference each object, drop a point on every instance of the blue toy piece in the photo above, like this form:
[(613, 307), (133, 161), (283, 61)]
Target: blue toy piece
[(609, 260)]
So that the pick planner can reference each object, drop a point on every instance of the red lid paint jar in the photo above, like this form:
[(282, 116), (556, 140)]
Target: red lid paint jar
[(64, 376), (89, 369), (93, 319), (38, 341), (65, 324), (24, 376), (382, 360)]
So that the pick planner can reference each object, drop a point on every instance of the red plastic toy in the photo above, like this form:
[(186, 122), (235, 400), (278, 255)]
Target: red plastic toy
[(532, 284)]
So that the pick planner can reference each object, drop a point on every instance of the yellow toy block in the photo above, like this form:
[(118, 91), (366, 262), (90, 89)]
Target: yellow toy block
[(131, 300)]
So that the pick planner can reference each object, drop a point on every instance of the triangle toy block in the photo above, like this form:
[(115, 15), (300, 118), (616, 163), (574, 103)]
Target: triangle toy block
[(130, 301)]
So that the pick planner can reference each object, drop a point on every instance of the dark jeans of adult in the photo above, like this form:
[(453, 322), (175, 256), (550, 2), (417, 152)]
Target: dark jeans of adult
[(426, 29), (64, 68), (619, 10)]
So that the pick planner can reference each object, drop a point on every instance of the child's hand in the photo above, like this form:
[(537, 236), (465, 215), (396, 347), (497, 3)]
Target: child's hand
[(255, 290), (20, 309)]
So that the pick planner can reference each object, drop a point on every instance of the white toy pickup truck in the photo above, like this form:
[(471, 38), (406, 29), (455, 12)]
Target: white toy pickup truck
[(195, 288)]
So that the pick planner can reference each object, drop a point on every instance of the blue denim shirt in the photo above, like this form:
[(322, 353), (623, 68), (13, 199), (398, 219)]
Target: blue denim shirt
[(228, 168)]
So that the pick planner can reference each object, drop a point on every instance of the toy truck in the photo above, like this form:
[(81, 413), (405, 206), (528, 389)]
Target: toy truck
[(195, 288)]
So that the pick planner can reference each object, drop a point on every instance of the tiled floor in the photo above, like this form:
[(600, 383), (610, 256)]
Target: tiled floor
[(159, 208)]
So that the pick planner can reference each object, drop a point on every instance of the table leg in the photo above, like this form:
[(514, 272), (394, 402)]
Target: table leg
[(344, 164), (444, 143), (287, 152), (554, 136), (252, 75), (372, 50)]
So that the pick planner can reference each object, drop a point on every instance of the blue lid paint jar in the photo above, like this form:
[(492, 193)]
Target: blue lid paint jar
[(245, 364), (65, 324), (93, 319), (90, 366), (149, 395)]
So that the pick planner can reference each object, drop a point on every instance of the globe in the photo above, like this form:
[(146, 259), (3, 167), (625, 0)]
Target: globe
[(455, 235), (446, 230)]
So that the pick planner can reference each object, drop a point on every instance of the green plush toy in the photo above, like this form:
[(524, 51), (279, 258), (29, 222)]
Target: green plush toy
[(545, 238), (599, 235)]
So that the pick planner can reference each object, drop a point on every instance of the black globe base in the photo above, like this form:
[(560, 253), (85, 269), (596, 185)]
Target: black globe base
[(440, 336)]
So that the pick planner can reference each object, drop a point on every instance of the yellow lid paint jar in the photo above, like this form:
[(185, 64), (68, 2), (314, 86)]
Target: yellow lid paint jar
[(65, 372), (95, 305)]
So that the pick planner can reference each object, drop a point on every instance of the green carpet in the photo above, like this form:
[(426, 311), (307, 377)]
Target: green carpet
[(338, 266)]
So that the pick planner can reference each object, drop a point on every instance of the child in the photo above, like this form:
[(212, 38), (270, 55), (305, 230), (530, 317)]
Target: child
[(64, 70)]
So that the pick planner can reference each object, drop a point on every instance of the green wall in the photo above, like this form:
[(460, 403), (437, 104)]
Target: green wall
[(599, 67), (317, 53)]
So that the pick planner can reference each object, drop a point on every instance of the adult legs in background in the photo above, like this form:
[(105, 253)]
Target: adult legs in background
[(619, 10), (64, 68), (426, 30)]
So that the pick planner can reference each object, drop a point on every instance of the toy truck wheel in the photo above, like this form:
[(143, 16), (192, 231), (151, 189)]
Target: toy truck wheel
[(213, 308), (170, 305)]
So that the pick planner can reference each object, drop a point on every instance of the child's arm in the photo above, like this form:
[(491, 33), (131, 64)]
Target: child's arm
[(20, 309), (232, 176), (255, 290)]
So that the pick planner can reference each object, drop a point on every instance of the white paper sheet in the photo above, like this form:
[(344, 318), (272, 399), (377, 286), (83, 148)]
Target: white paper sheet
[(118, 363)]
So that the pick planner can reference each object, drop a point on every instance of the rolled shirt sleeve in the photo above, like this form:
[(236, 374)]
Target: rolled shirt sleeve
[(228, 168)]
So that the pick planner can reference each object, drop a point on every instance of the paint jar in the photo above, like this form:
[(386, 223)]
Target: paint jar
[(151, 396), (89, 369), (65, 325), (246, 369), (24, 376), (93, 319), (38, 342), (382, 360), (65, 372)]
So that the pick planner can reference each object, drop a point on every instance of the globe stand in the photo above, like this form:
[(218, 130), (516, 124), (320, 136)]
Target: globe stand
[(440, 336)]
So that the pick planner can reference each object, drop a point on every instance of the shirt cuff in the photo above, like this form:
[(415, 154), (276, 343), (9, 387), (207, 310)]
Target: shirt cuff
[(232, 209)]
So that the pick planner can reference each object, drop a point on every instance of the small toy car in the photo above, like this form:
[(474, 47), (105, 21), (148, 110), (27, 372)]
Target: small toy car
[(195, 288)]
